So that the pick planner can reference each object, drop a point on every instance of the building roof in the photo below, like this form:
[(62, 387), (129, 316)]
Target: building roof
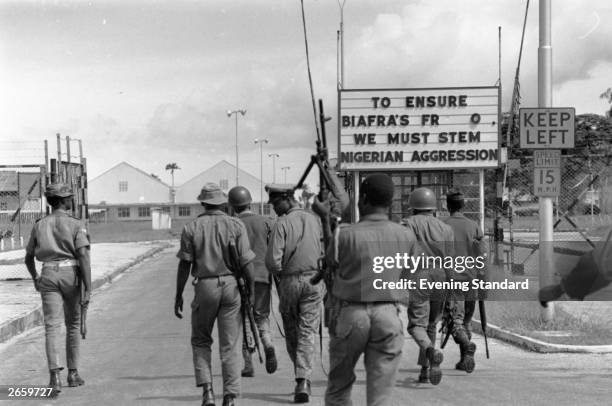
[(8, 181), (132, 167), (223, 164)]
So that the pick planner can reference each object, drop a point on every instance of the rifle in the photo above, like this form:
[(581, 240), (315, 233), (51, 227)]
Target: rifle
[(447, 325), (483, 323), (247, 306)]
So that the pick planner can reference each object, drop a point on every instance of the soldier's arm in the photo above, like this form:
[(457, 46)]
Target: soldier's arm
[(182, 275), (29, 258), (85, 266), (276, 247), (186, 256)]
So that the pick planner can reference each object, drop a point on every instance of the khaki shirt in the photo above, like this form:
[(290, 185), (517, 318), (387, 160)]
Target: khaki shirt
[(205, 243), (469, 239), (258, 229), (295, 243), (57, 237), (352, 253), (435, 239)]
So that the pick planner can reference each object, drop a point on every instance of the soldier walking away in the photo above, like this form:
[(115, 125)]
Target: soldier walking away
[(205, 251), (293, 255), (468, 243), (367, 320), (258, 230), (593, 272), (425, 308), (61, 243)]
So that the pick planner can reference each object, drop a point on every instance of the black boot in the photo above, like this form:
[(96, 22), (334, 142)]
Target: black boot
[(248, 371), (467, 349), (55, 382), (271, 363), (228, 400), (208, 397), (302, 391), (435, 358), (74, 379), (424, 375)]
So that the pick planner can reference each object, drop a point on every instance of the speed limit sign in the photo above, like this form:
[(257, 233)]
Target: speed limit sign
[(547, 173)]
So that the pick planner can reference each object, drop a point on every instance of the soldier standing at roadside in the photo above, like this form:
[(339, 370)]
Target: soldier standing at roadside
[(368, 320), (61, 243), (468, 243), (425, 308), (205, 252), (293, 255), (258, 229)]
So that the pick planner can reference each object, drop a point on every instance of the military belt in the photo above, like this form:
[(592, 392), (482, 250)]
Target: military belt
[(197, 279), (284, 274), (65, 263)]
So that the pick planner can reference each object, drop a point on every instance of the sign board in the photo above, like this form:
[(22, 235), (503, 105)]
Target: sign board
[(547, 127), (408, 129), (547, 172)]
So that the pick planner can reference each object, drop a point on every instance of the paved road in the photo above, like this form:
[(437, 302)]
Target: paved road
[(138, 353)]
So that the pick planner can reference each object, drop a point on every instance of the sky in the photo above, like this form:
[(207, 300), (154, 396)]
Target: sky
[(150, 82)]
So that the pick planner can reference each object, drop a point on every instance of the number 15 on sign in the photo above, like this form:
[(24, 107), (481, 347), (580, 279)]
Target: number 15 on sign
[(546, 181)]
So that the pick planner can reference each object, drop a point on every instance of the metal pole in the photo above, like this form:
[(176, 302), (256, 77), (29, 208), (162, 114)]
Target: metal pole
[(274, 156), (482, 199), (237, 177), (59, 159), (545, 203), (285, 169)]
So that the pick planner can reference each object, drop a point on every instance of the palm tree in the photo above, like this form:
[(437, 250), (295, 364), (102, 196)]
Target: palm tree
[(172, 167)]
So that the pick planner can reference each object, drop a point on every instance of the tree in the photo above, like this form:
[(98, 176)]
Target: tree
[(172, 167), (607, 95)]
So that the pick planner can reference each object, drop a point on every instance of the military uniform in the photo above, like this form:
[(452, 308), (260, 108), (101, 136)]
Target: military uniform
[(293, 253), (368, 321), (205, 245), (468, 243), (55, 241)]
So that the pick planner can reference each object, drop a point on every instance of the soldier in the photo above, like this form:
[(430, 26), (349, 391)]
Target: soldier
[(368, 320), (61, 243), (258, 229), (293, 255), (468, 243), (205, 252), (425, 307)]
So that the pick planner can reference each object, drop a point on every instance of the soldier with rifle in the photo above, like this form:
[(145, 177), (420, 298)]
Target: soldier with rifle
[(461, 305), (258, 229), (61, 243), (366, 320), (212, 246), (425, 307), (293, 256)]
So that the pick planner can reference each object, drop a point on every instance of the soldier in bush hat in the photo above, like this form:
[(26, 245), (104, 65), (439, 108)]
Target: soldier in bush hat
[(367, 320), (205, 252), (258, 229), (61, 243), (468, 243), (425, 307), (293, 254)]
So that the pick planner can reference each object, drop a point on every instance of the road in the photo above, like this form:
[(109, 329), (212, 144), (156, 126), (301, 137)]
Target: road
[(138, 353)]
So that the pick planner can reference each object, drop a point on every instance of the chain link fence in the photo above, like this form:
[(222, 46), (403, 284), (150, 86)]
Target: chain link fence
[(582, 212)]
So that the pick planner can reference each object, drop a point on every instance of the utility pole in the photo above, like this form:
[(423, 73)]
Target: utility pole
[(285, 169), (274, 156), (545, 203), (261, 142), (235, 113)]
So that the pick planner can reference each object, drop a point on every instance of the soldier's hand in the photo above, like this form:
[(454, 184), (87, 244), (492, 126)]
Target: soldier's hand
[(86, 297), (321, 208), (178, 306)]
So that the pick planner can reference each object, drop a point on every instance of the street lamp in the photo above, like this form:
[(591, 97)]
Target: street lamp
[(261, 142), (235, 113), (274, 156), (285, 169)]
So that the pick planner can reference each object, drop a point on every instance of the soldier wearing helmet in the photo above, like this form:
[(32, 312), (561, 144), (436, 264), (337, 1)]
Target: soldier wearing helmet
[(258, 229), (425, 306), (293, 255), (205, 252), (468, 243), (61, 243)]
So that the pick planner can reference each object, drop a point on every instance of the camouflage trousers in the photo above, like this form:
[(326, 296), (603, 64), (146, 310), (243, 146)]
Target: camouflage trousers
[(300, 308)]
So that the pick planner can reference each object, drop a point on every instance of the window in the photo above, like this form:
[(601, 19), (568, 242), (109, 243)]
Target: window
[(123, 212), (123, 186), (144, 212), (223, 184), (184, 211), (165, 209), (3, 205)]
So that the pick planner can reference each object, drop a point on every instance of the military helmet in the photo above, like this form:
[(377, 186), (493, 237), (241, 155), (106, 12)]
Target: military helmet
[(58, 190), (239, 196), (422, 199)]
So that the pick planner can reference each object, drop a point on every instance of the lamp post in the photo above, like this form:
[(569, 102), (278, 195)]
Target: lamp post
[(235, 113), (261, 142), (285, 169), (274, 156)]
